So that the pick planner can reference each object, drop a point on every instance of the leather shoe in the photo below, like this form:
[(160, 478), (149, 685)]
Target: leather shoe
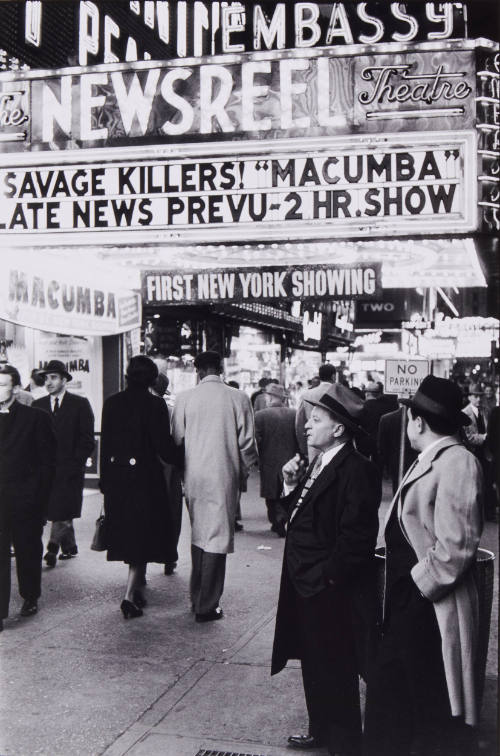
[(215, 614), (29, 608), (304, 742), (64, 556), (51, 559)]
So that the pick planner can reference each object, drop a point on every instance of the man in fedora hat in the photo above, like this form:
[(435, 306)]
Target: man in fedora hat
[(325, 378), (326, 609), (276, 443), (475, 435), (73, 423), (424, 672)]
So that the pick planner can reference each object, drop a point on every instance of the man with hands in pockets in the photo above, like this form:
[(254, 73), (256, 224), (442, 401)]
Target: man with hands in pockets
[(326, 609)]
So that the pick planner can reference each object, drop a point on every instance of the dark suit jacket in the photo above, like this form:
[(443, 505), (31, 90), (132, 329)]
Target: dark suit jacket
[(74, 428), (373, 411), (27, 462), (332, 537), (389, 444), (276, 443)]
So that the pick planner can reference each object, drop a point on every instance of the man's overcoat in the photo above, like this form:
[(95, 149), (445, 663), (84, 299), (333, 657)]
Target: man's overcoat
[(332, 536), (74, 429), (27, 462), (277, 443), (440, 511), (215, 424)]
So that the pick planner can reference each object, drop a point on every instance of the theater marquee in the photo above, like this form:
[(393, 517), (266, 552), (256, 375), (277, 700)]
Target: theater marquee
[(359, 186)]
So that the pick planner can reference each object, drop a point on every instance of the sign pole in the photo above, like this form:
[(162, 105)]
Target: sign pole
[(402, 444)]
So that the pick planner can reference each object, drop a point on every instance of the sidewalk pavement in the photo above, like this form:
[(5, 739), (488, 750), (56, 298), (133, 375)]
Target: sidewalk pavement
[(79, 680)]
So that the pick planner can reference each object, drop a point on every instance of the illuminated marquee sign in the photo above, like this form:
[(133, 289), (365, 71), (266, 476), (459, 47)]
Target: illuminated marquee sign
[(345, 187), (48, 34), (277, 95), (54, 296), (488, 125), (263, 284)]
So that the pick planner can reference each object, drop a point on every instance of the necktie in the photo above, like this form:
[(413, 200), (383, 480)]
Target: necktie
[(481, 427), (308, 483), (56, 406)]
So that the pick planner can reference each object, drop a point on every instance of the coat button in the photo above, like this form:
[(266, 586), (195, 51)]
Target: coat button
[(112, 459), (132, 461)]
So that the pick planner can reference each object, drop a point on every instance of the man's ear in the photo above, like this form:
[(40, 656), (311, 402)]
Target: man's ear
[(16, 389)]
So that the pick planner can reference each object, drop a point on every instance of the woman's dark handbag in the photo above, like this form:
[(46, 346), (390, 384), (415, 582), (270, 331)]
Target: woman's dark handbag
[(100, 541)]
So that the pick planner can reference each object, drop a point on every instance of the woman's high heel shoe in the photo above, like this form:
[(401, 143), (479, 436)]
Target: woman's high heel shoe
[(130, 610), (139, 599)]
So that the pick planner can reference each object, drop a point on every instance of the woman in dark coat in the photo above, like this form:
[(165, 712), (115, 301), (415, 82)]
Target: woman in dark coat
[(135, 439)]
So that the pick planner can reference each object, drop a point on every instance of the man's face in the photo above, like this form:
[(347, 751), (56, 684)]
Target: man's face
[(321, 429), (6, 388), (54, 383), (475, 399), (488, 392), (413, 431)]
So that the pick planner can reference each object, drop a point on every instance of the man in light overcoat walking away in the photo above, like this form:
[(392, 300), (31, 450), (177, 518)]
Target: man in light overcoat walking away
[(215, 424)]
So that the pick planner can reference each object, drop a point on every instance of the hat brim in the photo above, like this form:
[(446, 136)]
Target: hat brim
[(427, 405), (64, 373), (340, 415)]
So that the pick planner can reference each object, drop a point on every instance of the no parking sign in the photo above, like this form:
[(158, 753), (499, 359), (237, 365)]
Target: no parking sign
[(405, 376)]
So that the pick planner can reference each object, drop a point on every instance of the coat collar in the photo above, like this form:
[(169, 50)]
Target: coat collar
[(211, 379), (421, 467), (326, 476)]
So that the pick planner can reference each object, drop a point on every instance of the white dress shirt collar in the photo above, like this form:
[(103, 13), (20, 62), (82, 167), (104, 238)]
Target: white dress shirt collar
[(53, 398), (329, 455)]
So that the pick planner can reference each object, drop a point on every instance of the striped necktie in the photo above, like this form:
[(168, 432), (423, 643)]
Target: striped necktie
[(316, 469), (56, 406)]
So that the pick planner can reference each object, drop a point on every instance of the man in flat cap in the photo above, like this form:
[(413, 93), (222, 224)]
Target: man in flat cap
[(73, 422), (215, 424), (277, 443), (326, 609), (422, 687)]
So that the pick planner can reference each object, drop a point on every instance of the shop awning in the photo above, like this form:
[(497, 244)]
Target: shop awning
[(406, 263), (66, 292)]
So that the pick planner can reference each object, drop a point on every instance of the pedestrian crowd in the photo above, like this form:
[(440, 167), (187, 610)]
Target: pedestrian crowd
[(321, 465)]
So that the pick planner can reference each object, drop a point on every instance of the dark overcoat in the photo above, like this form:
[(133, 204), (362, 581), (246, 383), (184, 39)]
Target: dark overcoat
[(135, 437), (332, 537), (276, 443), (74, 428), (389, 443), (27, 462)]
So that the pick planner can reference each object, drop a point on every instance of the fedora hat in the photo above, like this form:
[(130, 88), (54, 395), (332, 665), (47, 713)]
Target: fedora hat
[(344, 405), (56, 366), (439, 397), (475, 389), (276, 389)]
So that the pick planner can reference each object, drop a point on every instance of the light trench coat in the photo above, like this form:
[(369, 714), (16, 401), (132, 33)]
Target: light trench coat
[(215, 423), (440, 509)]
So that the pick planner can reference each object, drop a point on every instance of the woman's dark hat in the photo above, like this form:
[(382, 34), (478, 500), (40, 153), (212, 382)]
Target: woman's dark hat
[(142, 371), (344, 405), (439, 397), (56, 366)]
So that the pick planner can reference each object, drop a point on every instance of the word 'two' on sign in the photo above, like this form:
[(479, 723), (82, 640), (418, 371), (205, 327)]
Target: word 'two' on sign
[(405, 376)]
